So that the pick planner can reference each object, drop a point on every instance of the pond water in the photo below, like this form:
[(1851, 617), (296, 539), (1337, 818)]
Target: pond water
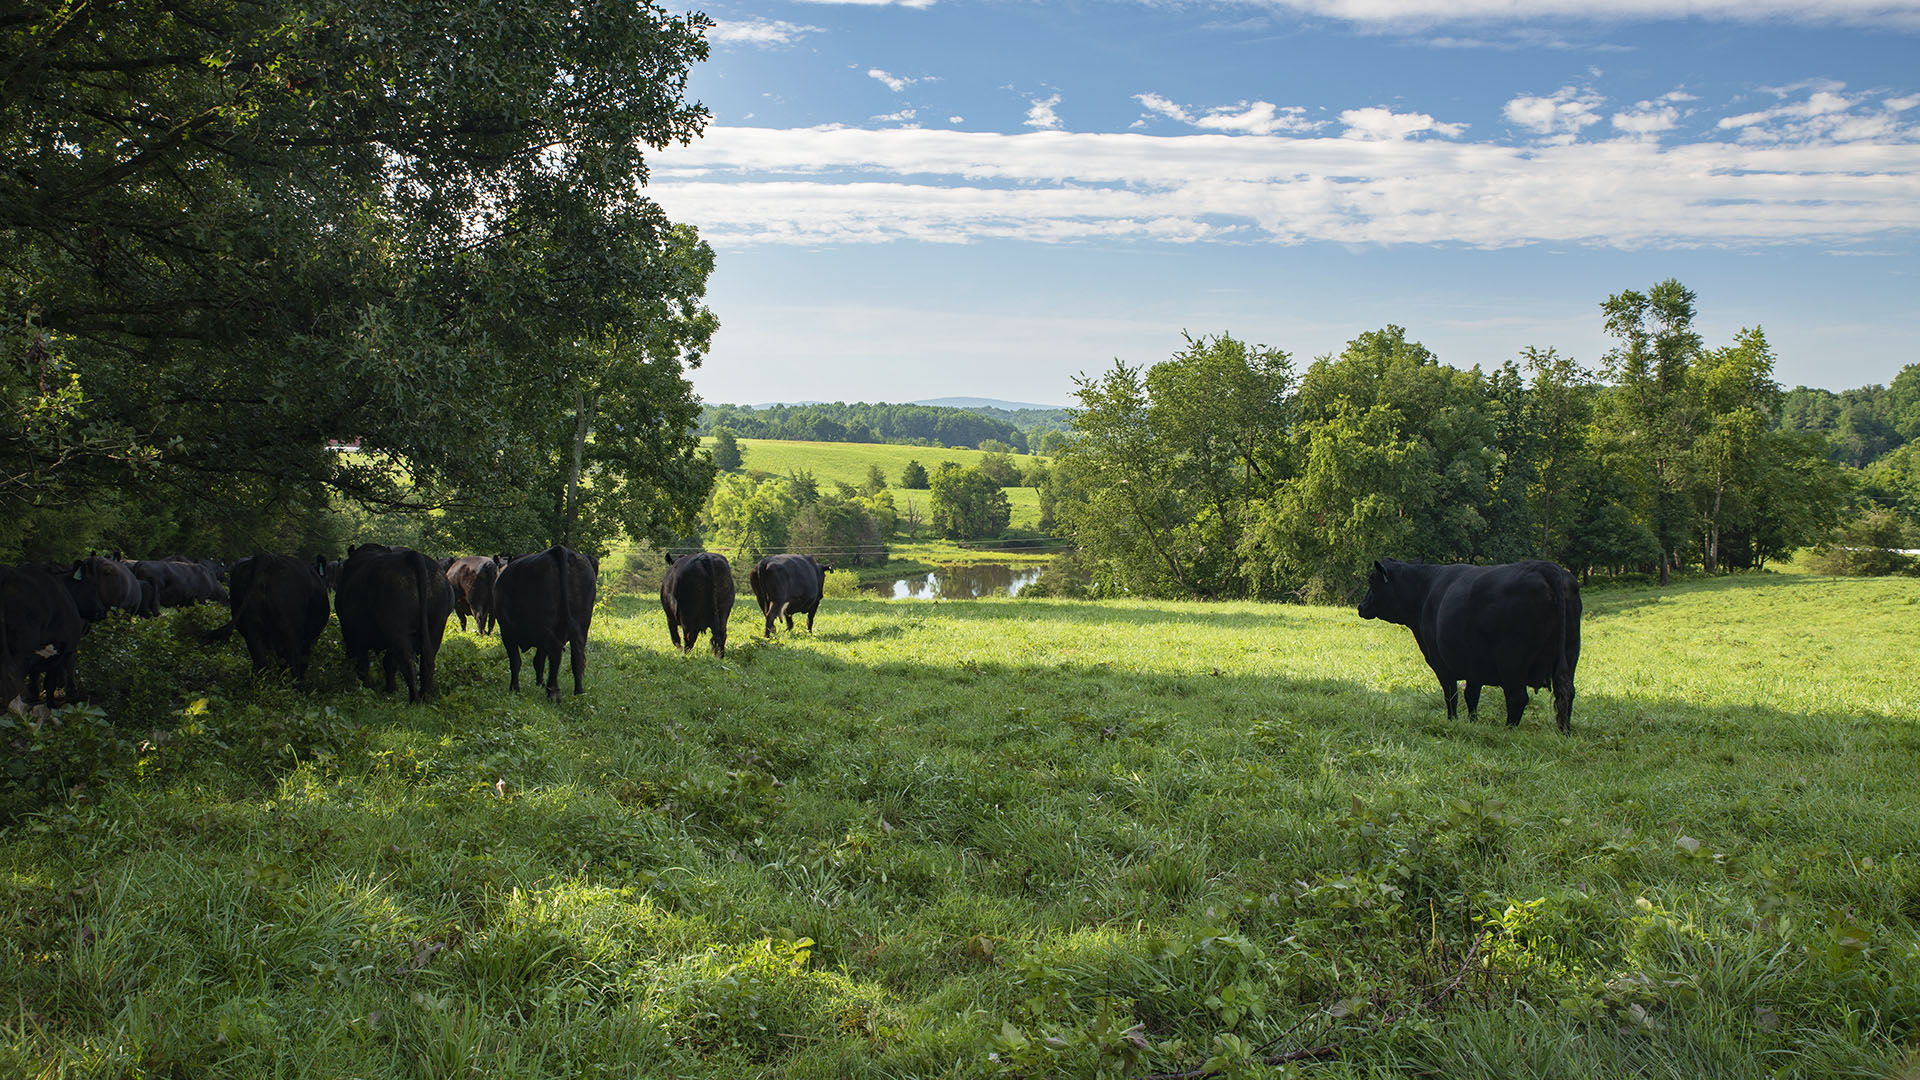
[(959, 582)]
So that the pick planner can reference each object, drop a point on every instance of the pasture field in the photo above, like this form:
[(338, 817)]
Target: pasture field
[(847, 463), (997, 839)]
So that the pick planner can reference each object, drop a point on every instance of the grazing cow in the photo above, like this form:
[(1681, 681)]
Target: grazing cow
[(280, 607), (461, 574), (176, 582), (99, 585), (544, 602), (697, 594), (40, 630), (788, 585), (395, 600), (1513, 626)]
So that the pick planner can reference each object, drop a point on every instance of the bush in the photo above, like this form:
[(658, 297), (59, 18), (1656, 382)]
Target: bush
[(1870, 545)]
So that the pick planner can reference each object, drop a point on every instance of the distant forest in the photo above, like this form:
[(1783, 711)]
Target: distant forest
[(910, 425)]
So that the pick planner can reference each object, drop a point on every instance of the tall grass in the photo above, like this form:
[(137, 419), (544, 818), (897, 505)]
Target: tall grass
[(1001, 838)]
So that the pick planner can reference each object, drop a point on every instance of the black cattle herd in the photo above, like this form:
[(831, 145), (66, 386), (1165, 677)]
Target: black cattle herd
[(389, 600), (1515, 626)]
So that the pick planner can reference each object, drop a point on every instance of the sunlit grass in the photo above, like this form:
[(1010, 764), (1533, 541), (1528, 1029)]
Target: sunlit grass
[(1007, 838)]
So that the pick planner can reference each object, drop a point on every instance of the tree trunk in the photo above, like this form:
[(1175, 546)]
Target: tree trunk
[(583, 406)]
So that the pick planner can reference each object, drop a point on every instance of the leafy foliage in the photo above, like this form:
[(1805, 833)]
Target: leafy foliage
[(233, 235)]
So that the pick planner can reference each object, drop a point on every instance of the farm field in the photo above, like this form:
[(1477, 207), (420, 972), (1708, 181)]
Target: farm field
[(998, 839), (847, 463)]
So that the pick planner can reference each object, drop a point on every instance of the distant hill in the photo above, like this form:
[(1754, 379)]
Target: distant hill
[(986, 403)]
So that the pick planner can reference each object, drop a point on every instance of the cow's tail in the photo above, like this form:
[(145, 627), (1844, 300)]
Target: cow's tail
[(1566, 653), (713, 594), (561, 561), (424, 572)]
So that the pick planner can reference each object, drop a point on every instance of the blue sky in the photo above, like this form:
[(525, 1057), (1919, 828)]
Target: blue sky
[(989, 197)]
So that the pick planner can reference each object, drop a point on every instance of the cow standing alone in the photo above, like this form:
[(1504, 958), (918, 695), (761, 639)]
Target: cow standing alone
[(1513, 626), (788, 585), (544, 602), (697, 594)]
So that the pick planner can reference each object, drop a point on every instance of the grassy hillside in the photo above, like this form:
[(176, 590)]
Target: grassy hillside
[(1001, 839), (848, 462)]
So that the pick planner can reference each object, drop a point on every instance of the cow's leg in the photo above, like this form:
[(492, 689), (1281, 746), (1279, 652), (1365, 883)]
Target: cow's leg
[(513, 666), (360, 664), (1516, 702), (463, 621), (692, 638), (810, 612), (1450, 690), (720, 641), (673, 631), (1473, 700), (771, 615), (578, 648), (426, 673)]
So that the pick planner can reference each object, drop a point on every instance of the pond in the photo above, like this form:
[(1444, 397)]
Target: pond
[(959, 582)]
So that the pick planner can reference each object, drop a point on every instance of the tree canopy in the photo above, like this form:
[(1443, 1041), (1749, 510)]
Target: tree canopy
[(1217, 473), (234, 236)]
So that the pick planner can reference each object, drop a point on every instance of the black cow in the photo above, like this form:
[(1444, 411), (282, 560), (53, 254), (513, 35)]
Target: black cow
[(788, 585), (99, 585), (697, 594), (40, 629), (280, 607), (1513, 626), (480, 598), (395, 600), (544, 602), (176, 582)]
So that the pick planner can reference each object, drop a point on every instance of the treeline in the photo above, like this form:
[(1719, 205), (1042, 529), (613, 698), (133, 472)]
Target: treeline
[(236, 238), (1224, 472), (911, 425), (1862, 425)]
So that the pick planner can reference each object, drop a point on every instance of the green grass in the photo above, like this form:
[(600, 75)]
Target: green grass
[(1003, 838), (847, 463)]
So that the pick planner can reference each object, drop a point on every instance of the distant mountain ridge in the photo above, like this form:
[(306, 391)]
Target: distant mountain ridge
[(986, 403)]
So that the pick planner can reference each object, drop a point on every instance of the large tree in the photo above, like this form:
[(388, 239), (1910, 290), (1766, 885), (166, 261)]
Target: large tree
[(232, 233)]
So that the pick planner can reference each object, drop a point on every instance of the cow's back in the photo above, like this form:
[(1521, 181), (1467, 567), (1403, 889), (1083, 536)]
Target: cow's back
[(1498, 624)]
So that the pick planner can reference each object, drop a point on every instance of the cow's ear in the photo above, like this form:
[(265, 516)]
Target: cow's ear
[(78, 571), (1378, 569)]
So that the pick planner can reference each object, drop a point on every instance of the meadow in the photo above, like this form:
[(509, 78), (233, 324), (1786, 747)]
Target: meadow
[(1003, 838), (847, 463)]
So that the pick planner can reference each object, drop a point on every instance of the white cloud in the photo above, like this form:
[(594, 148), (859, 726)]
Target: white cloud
[(745, 186), (875, 3), (956, 119), (1564, 112), (1826, 114), (1040, 113), (1652, 117), (1244, 118), (904, 116), (1377, 122), (1429, 12), (763, 33), (897, 83)]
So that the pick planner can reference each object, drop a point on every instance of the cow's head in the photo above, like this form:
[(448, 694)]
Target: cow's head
[(1383, 595)]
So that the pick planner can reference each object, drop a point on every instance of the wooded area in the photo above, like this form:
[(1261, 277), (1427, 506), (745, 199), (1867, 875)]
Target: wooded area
[(236, 237), (1223, 472)]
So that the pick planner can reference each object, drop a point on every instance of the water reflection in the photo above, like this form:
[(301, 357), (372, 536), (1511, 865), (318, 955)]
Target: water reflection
[(961, 582)]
